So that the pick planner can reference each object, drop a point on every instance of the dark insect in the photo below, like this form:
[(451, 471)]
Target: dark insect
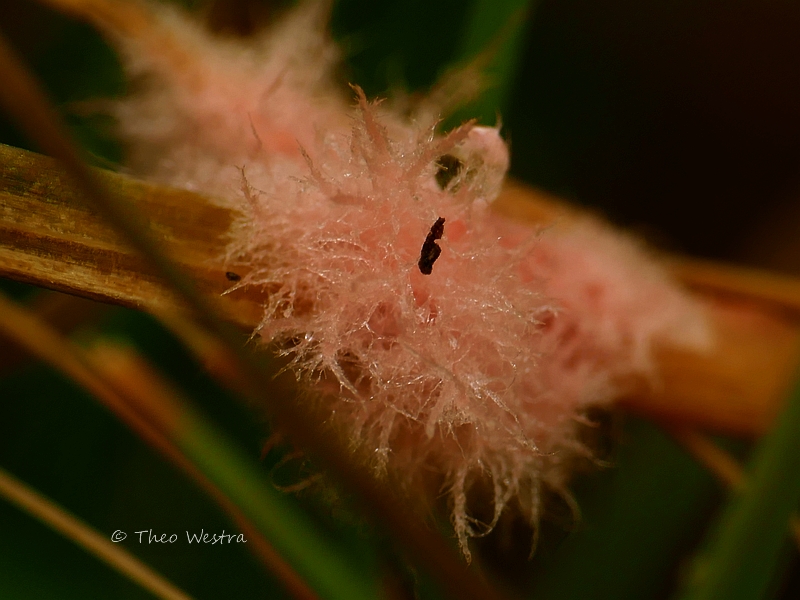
[(430, 249), (232, 276), (449, 168)]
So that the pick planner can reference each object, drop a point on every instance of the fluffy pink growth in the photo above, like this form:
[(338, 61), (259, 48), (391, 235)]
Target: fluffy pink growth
[(201, 105), (478, 372), (474, 376)]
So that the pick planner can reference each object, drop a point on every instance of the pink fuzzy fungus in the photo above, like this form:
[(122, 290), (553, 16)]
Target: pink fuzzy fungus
[(471, 377)]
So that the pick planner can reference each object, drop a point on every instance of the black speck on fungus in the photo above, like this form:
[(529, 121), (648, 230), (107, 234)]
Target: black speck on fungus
[(430, 249)]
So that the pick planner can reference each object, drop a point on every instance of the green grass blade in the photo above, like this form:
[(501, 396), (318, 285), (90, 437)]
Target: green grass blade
[(497, 31), (740, 556), (324, 566)]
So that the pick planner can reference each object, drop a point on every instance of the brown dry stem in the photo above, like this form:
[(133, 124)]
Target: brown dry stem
[(50, 238)]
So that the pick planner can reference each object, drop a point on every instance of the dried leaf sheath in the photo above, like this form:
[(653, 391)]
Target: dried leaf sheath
[(48, 237)]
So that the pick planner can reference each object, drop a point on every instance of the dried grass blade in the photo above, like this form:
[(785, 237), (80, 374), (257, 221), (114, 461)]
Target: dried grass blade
[(770, 288), (49, 238), (232, 480), (42, 341), (87, 538)]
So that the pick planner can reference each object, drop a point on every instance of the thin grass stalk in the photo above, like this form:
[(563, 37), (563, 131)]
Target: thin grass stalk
[(25, 101), (722, 465), (45, 239), (92, 541), (742, 549), (783, 292), (48, 345), (725, 468), (324, 566)]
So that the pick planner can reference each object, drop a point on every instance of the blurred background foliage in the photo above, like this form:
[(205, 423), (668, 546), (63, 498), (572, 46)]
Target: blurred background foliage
[(678, 119)]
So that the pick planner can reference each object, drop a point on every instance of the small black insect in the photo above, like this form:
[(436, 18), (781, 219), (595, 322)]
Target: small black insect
[(448, 168), (232, 276), (430, 249)]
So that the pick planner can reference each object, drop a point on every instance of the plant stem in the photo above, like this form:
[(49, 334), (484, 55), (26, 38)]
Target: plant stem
[(87, 538)]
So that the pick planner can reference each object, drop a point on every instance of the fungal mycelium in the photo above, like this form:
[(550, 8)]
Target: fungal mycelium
[(472, 379)]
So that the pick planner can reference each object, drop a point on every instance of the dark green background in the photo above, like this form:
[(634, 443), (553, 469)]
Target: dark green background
[(680, 119)]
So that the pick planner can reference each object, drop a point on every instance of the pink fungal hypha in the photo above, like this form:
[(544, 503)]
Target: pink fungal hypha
[(473, 377), (199, 105)]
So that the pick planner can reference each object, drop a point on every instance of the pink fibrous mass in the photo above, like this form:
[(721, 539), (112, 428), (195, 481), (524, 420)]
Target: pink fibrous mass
[(475, 376)]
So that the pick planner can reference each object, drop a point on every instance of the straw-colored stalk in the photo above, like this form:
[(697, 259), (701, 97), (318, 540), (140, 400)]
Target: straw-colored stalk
[(86, 537), (50, 238), (103, 371)]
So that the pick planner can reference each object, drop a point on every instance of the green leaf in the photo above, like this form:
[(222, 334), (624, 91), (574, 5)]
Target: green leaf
[(744, 547), (496, 30)]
